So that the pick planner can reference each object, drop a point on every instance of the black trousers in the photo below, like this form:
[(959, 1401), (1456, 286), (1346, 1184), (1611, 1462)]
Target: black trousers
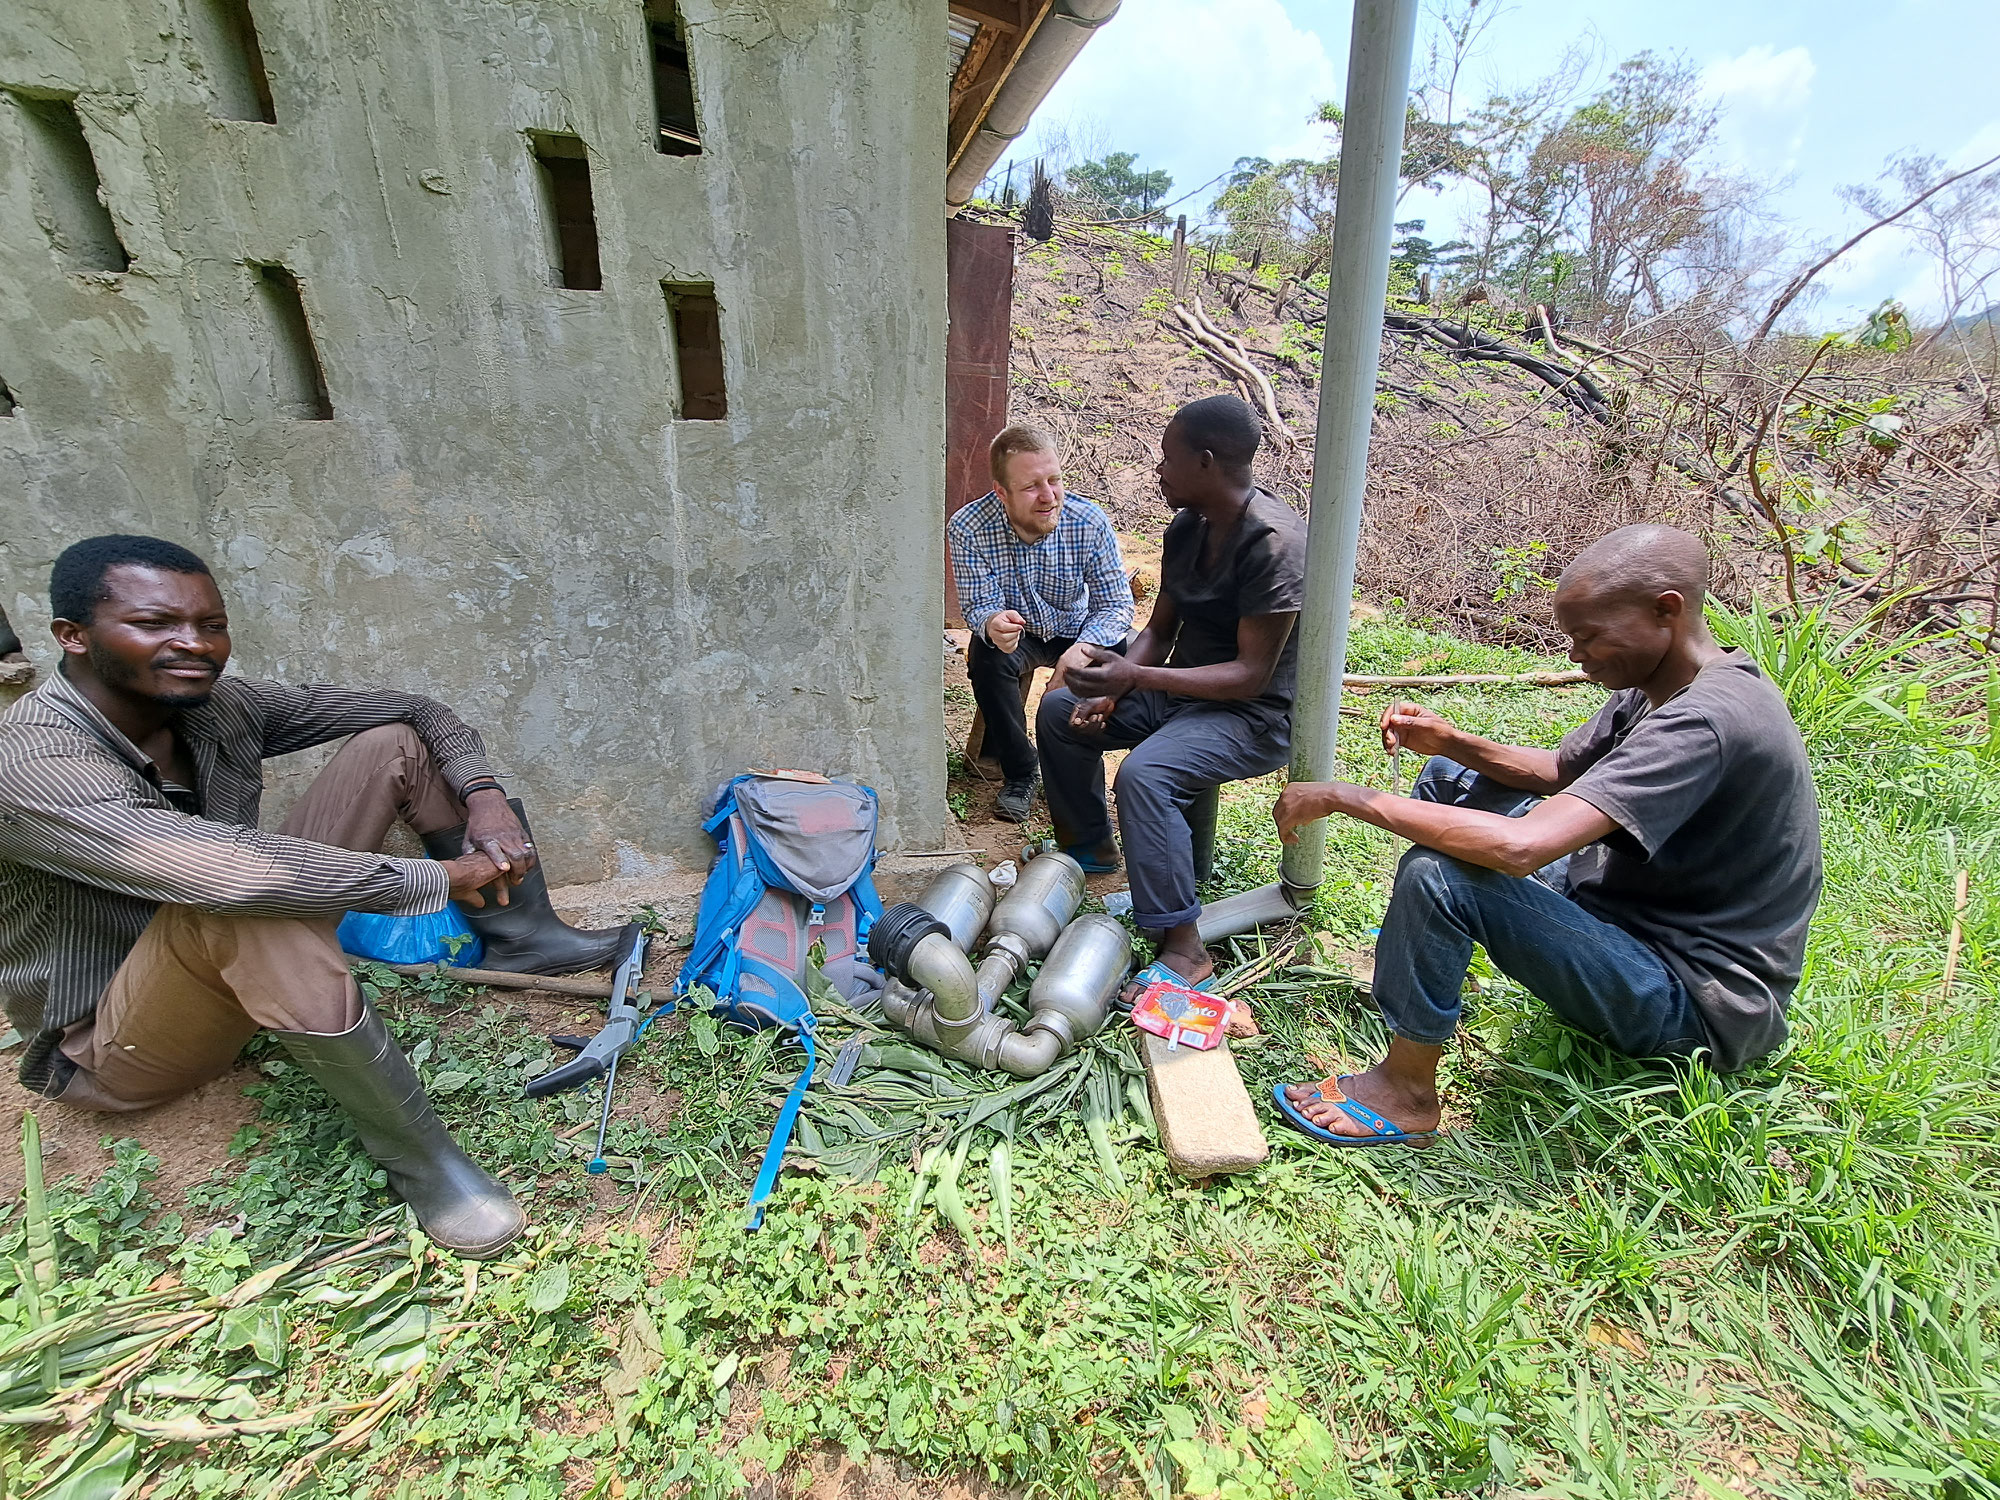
[(996, 688), (1180, 748)]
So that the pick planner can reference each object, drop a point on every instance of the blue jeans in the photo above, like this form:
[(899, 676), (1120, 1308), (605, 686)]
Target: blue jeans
[(1595, 976)]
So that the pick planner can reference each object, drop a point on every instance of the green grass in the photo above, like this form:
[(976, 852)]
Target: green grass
[(1610, 1279)]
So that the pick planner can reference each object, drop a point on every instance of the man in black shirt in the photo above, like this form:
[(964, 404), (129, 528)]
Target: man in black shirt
[(1651, 880), (1203, 696)]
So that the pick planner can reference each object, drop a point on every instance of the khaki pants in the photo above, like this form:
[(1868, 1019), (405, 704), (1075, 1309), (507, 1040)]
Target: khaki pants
[(197, 985)]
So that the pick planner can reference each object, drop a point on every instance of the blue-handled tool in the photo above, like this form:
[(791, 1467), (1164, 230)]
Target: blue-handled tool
[(598, 1057)]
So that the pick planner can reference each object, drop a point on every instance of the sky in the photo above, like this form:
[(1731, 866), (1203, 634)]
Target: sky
[(1813, 96)]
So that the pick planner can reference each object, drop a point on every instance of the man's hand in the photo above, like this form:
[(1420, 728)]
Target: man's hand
[(1306, 802), (1092, 713), (1077, 656), (1410, 726), (1105, 674), (492, 829), (1004, 630), (470, 872)]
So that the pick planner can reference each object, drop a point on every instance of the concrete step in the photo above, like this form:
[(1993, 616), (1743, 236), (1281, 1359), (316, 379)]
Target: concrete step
[(1207, 1124)]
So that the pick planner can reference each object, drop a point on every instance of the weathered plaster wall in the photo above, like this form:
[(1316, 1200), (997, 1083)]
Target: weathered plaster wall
[(504, 511)]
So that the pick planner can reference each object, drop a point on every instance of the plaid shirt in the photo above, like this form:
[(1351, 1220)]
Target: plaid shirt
[(90, 844), (1070, 585)]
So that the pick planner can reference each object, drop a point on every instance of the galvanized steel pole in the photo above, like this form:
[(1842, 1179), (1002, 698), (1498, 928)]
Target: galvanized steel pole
[(1371, 158)]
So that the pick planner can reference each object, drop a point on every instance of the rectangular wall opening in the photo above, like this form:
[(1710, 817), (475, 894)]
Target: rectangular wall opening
[(8, 405), (297, 379), (66, 183), (563, 164), (226, 33), (696, 319), (673, 81)]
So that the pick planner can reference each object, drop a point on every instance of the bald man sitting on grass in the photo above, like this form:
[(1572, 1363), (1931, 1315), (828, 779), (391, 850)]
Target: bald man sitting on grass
[(1650, 880)]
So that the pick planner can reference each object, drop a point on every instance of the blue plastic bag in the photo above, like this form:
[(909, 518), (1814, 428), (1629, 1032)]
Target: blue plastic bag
[(411, 940)]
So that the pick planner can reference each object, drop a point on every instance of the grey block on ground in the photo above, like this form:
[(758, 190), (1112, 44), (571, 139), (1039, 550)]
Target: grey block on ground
[(1207, 1124)]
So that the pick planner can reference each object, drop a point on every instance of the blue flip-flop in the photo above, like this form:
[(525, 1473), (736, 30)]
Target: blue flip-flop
[(1159, 973), (1383, 1133), (1081, 854)]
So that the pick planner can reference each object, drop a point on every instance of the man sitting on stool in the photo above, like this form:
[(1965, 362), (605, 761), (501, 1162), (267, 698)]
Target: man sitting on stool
[(1040, 582), (1204, 694), (1650, 880), (148, 928)]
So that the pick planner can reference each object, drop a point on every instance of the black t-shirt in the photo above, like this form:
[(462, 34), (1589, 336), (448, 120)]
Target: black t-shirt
[(1262, 571), (1715, 863)]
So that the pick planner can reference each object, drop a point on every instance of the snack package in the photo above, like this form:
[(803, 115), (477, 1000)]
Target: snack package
[(1185, 1017)]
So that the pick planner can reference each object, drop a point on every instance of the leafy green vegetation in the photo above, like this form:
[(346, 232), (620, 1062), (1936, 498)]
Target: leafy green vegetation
[(1610, 1279)]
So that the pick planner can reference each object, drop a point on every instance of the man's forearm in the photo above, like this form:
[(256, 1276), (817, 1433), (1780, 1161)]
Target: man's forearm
[(1522, 767), (1513, 846), (1225, 682)]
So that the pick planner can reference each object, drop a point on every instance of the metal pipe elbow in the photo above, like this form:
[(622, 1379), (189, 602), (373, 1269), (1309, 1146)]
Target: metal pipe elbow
[(1027, 1054), (942, 967)]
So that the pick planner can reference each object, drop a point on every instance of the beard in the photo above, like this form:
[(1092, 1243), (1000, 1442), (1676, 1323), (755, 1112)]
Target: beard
[(121, 676)]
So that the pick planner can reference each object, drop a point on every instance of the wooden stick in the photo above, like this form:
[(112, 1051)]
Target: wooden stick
[(1961, 893), (498, 979)]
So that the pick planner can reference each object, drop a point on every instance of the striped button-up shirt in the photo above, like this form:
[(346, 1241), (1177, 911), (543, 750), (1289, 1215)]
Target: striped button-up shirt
[(90, 844), (1070, 585)]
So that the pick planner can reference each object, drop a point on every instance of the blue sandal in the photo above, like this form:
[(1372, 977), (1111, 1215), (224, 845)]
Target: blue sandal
[(1082, 853), (1383, 1133), (1158, 973)]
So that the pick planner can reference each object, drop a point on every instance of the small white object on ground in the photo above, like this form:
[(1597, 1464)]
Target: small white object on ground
[(1118, 904), (1003, 874)]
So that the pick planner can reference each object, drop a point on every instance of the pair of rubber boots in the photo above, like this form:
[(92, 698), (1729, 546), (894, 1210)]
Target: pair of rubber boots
[(460, 1205)]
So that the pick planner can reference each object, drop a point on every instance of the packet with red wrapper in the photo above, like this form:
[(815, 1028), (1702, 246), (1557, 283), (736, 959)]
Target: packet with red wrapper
[(1185, 1017)]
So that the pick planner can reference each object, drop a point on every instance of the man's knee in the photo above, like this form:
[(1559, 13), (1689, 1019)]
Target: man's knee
[(1052, 718), (1148, 786), (389, 741), (1436, 880)]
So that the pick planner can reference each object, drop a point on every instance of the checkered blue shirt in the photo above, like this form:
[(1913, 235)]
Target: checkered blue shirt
[(1070, 584)]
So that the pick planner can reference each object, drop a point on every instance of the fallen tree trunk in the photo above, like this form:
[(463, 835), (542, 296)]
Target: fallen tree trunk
[(497, 979), (1471, 679), (1227, 351)]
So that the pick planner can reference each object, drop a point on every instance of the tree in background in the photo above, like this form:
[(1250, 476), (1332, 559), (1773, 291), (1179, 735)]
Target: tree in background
[(1957, 228), (1114, 185)]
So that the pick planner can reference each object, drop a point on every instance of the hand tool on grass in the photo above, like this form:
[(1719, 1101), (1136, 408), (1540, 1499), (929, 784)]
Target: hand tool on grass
[(597, 1057)]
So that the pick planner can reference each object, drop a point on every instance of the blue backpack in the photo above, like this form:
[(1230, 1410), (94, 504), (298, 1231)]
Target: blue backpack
[(794, 869)]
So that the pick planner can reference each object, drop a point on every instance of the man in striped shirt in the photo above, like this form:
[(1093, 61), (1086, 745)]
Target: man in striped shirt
[(148, 927), (1039, 581)]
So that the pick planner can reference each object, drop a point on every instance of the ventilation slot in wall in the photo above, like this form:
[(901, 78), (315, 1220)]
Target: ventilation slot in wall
[(673, 81), (564, 168), (8, 405), (297, 380), (66, 183), (227, 36), (697, 328)]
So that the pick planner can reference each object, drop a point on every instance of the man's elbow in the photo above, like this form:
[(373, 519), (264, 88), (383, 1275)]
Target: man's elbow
[(1520, 858)]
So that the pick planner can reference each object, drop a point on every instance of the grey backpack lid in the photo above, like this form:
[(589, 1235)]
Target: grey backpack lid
[(818, 835)]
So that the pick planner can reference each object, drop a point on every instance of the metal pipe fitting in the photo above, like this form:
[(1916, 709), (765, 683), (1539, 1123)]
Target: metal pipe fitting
[(1040, 905), (1072, 994), (941, 967), (961, 897)]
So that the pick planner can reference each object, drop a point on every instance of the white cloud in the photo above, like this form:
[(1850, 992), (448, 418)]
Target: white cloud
[(1192, 85), (1763, 95)]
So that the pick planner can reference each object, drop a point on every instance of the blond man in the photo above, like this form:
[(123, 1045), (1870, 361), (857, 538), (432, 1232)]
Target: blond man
[(1040, 581)]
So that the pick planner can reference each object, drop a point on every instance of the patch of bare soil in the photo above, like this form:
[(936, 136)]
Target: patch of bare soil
[(832, 1475), (189, 1135)]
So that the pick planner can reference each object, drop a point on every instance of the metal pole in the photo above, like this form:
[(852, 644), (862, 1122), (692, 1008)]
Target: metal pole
[(1371, 158)]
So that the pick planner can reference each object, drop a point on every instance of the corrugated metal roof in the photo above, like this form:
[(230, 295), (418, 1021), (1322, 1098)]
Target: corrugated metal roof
[(962, 33)]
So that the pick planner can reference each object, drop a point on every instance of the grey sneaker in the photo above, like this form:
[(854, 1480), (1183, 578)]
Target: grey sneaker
[(1016, 801)]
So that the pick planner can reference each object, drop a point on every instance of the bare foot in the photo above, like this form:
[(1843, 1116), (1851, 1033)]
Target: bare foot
[(1407, 1109)]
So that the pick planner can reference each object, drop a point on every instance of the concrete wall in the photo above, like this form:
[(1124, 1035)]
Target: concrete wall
[(504, 511)]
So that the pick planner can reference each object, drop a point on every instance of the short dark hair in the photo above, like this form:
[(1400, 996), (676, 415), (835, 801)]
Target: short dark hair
[(1226, 427), (76, 582), (1640, 563)]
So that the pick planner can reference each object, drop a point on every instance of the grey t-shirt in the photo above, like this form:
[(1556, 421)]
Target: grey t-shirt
[(1715, 863), (1262, 571)]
